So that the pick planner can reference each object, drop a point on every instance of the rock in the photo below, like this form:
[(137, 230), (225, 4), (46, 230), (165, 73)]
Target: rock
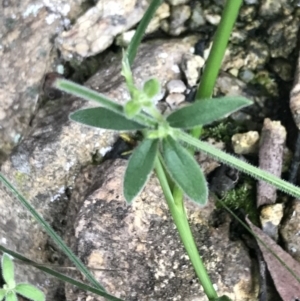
[(283, 69), (94, 31), (269, 9), (246, 75), (282, 36), (125, 38), (245, 143), (178, 17), (178, 2), (213, 19), (139, 242), (197, 18), (26, 29), (45, 164), (162, 13), (174, 99), (290, 230), (270, 218), (176, 86), (191, 66), (257, 54)]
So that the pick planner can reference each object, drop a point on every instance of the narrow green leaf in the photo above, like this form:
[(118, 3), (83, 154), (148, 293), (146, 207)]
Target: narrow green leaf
[(2, 294), (30, 292), (139, 168), (137, 38), (11, 296), (7, 267), (184, 170), (88, 94), (206, 111), (151, 87), (105, 119)]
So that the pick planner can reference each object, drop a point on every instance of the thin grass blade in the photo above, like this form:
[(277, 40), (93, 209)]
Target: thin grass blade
[(137, 38)]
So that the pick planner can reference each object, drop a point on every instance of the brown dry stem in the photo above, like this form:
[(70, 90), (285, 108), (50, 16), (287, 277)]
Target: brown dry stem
[(272, 141)]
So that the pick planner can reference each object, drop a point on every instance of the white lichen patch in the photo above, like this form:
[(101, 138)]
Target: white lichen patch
[(32, 9)]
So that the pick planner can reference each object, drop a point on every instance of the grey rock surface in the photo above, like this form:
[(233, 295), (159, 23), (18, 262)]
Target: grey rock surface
[(94, 31), (25, 51), (290, 230), (139, 242), (45, 164)]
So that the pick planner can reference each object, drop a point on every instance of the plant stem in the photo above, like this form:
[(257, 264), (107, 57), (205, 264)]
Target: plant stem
[(137, 38), (180, 219), (217, 52)]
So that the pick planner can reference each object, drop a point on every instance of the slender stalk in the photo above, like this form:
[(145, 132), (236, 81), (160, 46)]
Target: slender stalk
[(137, 38), (205, 90), (180, 219), (217, 52)]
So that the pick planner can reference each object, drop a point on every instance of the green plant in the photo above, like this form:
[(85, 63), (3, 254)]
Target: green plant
[(10, 289), (162, 145), (165, 142)]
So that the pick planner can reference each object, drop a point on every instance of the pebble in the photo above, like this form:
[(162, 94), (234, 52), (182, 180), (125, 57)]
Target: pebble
[(213, 19), (178, 2), (179, 15), (246, 143), (175, 86), (197, 19), (174, 99), (163, 107), (125, 38), (246, 75), (290, 229), (191, 65), (270, 218), (162, 13)]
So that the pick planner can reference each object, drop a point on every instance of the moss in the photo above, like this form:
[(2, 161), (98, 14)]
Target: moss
[(222, 131), (21, 179), (265, 79), (243, 197)]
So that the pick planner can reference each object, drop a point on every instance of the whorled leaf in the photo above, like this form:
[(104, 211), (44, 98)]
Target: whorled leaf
[(2, 294), (11, 296), (151, 87), (139, 168), (7, 267), (30, 292), (206, 111), (184, 170), (103, 118), (132, 108)]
